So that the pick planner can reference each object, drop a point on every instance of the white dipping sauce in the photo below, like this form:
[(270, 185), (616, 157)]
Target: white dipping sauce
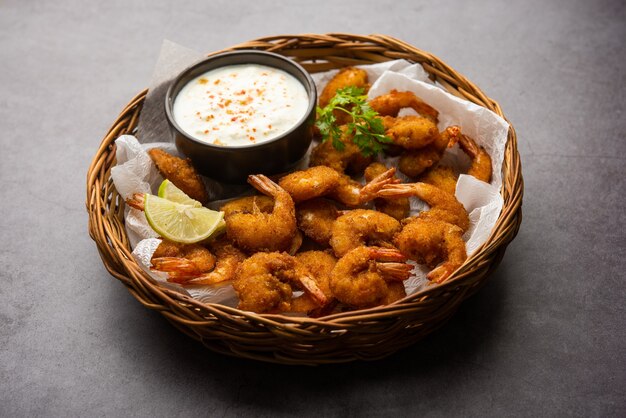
[(240, 105)]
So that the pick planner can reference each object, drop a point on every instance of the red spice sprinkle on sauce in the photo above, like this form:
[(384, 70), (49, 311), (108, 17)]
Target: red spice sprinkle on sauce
[(239, 107)]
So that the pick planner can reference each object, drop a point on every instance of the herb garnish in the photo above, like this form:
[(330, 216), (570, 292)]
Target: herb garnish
[(366, 127)]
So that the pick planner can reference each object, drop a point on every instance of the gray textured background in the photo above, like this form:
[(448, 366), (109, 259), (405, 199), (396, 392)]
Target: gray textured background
[(546, 336)]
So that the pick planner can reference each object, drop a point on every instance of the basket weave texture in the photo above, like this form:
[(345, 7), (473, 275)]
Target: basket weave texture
[(365, 334)]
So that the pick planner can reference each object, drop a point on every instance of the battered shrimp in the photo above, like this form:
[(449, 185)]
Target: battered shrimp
[(310, 183), (349, 159), (265, 283), (258, 231), (348, 191), (320, 264), (412, 132), (443, 205), (442, 177), (187, 271), (182, 262), (415, 162), (346, 77), (481, 161), (397, 208), (395, 291), (360, 278), (390, 104), (316, 218), (181, 173), (432, 242), (248, 204), (362, 227)]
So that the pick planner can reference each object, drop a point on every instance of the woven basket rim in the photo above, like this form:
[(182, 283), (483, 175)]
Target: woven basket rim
[(186, 311)]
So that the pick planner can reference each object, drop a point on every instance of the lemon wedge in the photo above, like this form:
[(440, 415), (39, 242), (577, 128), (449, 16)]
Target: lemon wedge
[(180, 222)]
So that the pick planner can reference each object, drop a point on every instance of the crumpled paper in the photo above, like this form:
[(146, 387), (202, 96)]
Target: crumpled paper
[(135, 171)]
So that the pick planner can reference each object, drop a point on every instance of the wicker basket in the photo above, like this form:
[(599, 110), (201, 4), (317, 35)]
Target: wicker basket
[(366, 334)]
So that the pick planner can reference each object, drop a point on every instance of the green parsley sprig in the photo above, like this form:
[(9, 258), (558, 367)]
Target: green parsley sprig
[(366, 127)]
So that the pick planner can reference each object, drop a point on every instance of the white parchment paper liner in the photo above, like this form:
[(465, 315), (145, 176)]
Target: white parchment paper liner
[(135, 172)]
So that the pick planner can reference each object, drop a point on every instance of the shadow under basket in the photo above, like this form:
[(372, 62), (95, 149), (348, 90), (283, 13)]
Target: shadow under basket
[(366, 334)]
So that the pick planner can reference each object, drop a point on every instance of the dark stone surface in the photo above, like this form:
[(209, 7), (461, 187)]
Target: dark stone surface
[(545, 337)]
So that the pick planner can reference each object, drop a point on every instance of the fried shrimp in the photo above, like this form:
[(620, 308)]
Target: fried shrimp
[(442, 177), (346, 77), (481, 161), (434, 243), (397, 208), (316, 218), (412, 132), (390, 104), (320, 264), (248, 204), (360, 278), (182, 262), (443, 205), (181, 173), (259, 231), (310, 183), (349, 159), (362, 227), (265, 283), (189, 271), (414, 162)]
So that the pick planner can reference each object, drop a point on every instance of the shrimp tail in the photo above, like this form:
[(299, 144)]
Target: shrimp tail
[(441, 273), (136, 201), (481, 167), (452, 135), (179, 270), (396, 190), (370, 190), (310, 285), (395, 271), (387, 254), (264, 184)]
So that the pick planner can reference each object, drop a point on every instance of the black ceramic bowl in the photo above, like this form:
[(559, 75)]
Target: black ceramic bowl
[(233, 164)]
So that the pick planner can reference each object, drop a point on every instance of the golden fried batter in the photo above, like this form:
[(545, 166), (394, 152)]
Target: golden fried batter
[(181, 173), (443, 205), (260, 231), (348, 159), (414, 162), (316, 218), (360, 278), (182, 262), (311, 183), (265, 283), (481, 161), (396, 207), (430, 242), (320, 264), (442, 177), (362, 227), (390, 104), (346, 77)]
